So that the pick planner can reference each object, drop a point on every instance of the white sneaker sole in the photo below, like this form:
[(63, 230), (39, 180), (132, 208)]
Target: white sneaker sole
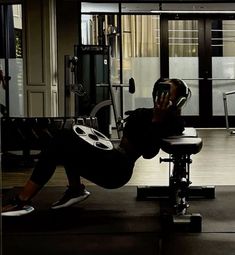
[(26, 210), (72, 201)]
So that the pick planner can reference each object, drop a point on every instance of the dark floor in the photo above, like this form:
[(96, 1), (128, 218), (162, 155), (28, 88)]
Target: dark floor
[(114, 222)]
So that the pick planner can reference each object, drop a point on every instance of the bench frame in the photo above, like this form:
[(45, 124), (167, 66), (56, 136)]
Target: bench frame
[(179, 191)]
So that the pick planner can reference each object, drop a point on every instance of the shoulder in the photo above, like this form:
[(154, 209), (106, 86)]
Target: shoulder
[(140, 112), (137, 120)]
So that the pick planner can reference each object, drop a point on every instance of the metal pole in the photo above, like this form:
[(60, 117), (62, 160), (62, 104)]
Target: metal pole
[(226, 111), (225, 94), (113, 98)]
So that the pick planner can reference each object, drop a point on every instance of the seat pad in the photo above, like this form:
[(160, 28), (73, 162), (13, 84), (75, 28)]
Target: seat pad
[(181, 145)]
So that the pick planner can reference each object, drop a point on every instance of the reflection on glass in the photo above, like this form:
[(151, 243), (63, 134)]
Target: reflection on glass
[(16, 67), (15, 61), (223, 64), (87, 7), (139, 8), (104, 30), (183, 58), (141, 52), (183, 38)]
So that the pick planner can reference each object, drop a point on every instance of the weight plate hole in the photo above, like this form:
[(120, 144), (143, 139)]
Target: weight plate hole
[(94, 137), (80, 131), (101, 145)]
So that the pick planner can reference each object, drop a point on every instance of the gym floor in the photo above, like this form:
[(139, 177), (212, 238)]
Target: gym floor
[(213, 165), (114, 222)]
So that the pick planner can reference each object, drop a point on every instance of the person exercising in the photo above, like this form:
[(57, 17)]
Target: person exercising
[(142, 133)]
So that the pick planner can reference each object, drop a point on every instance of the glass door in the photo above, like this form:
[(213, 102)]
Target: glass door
[(140, 57), (183, 43), (198, 48), (134, 40), (201, 51), (11, 61), (222, 43)]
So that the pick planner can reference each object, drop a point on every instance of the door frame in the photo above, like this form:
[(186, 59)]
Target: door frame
[(205, 117)]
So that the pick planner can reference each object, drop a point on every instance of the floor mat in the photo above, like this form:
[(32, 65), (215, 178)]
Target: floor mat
[(114, 222)]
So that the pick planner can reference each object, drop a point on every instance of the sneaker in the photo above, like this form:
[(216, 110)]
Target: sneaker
[(16, 208), (71, 197)]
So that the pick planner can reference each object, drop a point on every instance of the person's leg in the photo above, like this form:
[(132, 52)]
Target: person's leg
[(76, 191), (29, 191), (19, 204), (73, 175), (42, 172)]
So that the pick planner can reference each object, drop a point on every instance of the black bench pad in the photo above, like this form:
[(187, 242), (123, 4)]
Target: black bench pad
[(187, 143), (182, 145)]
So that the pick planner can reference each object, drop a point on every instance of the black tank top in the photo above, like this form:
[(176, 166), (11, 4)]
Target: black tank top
[(146, 135)]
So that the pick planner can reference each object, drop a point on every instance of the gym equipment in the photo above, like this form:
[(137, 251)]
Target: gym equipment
[(88, 88), (179, 148), (92, 68), (88, 66), (111, 102), (93, 137), (225, 94), (23, 138), (71, 85)]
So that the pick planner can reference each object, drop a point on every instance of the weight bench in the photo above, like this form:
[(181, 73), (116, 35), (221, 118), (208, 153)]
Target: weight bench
[(179, 148)]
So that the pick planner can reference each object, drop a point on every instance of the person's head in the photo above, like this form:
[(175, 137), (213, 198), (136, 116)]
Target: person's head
[(179, 91)]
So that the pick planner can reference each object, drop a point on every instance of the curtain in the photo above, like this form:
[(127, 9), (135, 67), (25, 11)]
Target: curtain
[(183, 38), (140, 36)]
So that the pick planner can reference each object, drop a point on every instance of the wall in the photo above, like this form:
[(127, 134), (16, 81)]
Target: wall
[(40, 58), (67, 37)]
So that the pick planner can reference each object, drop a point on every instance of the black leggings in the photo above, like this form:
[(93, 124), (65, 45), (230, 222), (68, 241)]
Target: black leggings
[(106, 168)]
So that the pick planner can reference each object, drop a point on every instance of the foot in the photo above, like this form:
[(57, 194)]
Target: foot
[(16, 207), (71, 197)]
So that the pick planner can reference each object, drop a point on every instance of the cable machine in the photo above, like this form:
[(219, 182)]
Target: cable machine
[(88, 88), (88, 67)]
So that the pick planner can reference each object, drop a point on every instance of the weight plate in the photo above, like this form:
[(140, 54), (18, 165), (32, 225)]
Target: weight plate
[(93, 137)]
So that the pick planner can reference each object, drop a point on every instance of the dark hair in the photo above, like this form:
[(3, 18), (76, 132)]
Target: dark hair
[(182, 91)]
